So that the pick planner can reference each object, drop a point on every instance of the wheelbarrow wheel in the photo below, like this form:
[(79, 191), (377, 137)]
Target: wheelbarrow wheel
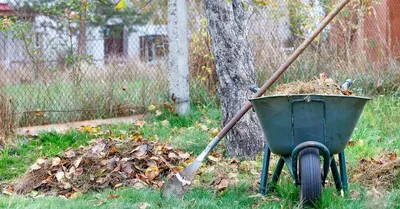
[(310, 176)]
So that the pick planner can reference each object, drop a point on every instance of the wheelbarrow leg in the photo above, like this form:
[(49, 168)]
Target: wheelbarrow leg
[(335, 174), (343, 174), (277, 173), (264, 173)]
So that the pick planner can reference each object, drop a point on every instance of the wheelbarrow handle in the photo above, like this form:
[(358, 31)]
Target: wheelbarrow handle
[(254, 88), (282, 69), (346, 85)]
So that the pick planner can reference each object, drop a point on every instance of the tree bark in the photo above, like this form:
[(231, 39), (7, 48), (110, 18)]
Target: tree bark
[(82, 29), (178, 56), (228, 26)]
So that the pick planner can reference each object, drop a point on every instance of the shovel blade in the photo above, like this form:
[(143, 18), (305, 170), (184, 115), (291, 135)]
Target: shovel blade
[(177, 186)]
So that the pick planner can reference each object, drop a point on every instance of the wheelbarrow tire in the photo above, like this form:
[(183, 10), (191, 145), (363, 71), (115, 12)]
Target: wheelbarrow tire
[(310, 176)]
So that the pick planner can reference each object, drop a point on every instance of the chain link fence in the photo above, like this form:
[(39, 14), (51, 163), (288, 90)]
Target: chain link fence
[(59, 62)]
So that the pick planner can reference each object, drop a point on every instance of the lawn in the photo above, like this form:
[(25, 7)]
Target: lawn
[(94, 97), (376, 133)]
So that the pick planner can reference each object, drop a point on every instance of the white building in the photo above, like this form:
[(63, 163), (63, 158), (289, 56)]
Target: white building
[(145, 42)]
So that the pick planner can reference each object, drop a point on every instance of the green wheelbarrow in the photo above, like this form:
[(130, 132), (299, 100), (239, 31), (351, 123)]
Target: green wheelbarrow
[(301, 128)]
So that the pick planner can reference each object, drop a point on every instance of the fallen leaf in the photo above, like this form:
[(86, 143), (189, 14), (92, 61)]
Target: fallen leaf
[(183, 155), (70, 173), (151, 108), (140, 152), (99, 203), (60, 175), (113, 150), (351, 143), (35, 167), (41, 161), (265, 198), (100, 172), (152, 172), (78, 171), (69, 153), (37, 112), (99, 147), (212, 158), (101, 180), (33, 193), (127, 168), (233, 175), (8, 190), (74, 195), (214, 132), (139, 123), (222, 184), (158, 113), (355, 195), (112, 196), (165, 123), (204, 127), (78, 161), (56, 161), (168, 147), (66, 185), (392, 156), (137, 137), (137, 184), (118, 185), (103, 162), (142, 205), (172, 155)]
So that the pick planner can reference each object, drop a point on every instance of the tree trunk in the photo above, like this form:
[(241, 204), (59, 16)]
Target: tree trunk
[(82, 29), (228, 25), (178, 58)]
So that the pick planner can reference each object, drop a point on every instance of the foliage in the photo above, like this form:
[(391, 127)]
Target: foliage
[(202, 67), (21, 29), (98, 12)]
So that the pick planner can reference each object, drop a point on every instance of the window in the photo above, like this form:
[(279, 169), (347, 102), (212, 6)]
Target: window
[(153, 47), (113, 41)]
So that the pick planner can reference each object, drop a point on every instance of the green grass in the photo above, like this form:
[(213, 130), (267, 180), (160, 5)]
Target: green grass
[(238, 196), (128, 198), (16, 159), (63, 95), (377, 129)]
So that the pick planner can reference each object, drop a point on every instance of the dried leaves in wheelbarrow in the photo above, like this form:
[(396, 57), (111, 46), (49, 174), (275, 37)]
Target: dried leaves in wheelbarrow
[(322, 85), (107, 163)]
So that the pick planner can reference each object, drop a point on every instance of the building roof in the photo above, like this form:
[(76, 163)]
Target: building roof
[(5, 9)]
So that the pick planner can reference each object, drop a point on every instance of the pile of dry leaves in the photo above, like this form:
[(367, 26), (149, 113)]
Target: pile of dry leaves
[(321, 85), (107, 163), (377, 172)]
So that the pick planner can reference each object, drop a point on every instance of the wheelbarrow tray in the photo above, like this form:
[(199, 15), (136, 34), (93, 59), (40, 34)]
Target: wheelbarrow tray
[(289, 120)]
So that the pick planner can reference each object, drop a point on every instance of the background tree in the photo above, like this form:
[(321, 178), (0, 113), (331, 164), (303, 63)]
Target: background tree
[(67, 20), (228, 26), (75, 15)]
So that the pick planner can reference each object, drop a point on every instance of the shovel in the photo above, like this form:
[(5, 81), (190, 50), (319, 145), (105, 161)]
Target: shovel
[(179, 183)]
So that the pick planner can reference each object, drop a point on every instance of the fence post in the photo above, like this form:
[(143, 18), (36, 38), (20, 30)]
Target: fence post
[(178, 68)]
